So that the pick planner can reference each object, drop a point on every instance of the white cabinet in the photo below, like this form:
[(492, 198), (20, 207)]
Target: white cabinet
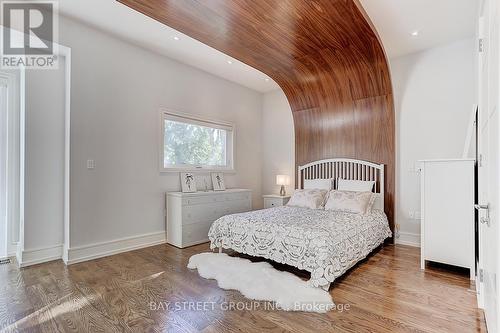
[(447, 199), (274, 200), (190, 215)]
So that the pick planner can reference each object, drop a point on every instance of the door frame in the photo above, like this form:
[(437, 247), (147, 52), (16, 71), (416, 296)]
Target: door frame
[(479, 62), (11, 80), (21, 254), (488, 101)]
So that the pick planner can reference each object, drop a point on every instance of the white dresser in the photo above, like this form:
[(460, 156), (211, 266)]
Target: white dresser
[(447, 226), (190, 215)]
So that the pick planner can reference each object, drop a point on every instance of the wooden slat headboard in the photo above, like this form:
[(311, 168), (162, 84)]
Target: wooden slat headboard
[(346, 169)]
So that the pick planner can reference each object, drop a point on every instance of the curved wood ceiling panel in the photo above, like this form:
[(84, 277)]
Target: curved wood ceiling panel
[(324, 54)]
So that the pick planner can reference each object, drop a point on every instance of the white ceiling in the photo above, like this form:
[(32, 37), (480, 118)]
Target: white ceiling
[(438, 22), (125, 23)]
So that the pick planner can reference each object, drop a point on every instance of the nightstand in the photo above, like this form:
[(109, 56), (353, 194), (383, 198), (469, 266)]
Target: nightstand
[(275, 200)]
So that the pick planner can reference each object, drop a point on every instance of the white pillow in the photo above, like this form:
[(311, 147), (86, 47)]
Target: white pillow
[(350, 201), (314, 199), (322, 184), (355, 185)]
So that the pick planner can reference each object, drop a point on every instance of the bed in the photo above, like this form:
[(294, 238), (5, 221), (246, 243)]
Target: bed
[(325, 243)]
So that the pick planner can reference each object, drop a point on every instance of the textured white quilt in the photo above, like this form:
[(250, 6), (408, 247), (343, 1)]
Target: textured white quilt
[(324, 242)]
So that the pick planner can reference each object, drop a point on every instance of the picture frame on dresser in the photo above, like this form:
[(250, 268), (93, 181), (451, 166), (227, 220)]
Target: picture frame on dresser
[(218, 181), (188, 182)]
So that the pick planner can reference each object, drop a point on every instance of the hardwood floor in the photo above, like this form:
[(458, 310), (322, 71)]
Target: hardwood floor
[(129, 293)]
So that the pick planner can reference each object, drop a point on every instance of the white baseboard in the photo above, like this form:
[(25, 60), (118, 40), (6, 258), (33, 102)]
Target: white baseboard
[(104, 249), (12, 249), (40, 255), (408, 238)]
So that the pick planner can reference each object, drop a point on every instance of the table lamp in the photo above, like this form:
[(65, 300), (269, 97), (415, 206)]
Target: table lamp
[(282, 180)]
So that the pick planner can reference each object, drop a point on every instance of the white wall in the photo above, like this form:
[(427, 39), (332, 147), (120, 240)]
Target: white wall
[(117, 91), (434, 94), (278, 142)]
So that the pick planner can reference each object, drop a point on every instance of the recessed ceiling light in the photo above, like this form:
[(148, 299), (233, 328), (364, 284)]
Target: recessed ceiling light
[(415, 33), (176, 38), (229, 62)]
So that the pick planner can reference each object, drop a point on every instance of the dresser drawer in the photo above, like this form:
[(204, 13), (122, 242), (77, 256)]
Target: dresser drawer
[(271, 202), (211, 212), (202, 212), (209, 199), (240, 196), (195, 233), (239, 206), (215, 197)]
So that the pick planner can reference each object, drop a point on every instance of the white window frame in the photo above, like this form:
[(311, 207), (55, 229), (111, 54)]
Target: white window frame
[(167, 114)]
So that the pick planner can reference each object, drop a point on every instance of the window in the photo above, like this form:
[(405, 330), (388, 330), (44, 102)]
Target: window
[(192, 143)]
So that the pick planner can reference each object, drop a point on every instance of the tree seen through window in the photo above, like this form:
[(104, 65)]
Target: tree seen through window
[(189, 144)]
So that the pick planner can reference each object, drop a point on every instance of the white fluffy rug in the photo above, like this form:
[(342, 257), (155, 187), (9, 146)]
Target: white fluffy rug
[(261, 281)]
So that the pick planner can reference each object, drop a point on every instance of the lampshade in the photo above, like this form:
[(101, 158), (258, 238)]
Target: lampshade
[(282, 180)]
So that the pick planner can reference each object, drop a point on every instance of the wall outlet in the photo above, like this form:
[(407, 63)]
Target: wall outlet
[(414, 215), (90, 164)]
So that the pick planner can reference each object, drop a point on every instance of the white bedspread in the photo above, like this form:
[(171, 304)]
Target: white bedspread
[(323, 242)]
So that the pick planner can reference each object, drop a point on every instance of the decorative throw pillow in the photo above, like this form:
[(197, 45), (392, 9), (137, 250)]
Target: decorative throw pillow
[(355, 185), (314, 199), (351, 201), (321, 184)]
